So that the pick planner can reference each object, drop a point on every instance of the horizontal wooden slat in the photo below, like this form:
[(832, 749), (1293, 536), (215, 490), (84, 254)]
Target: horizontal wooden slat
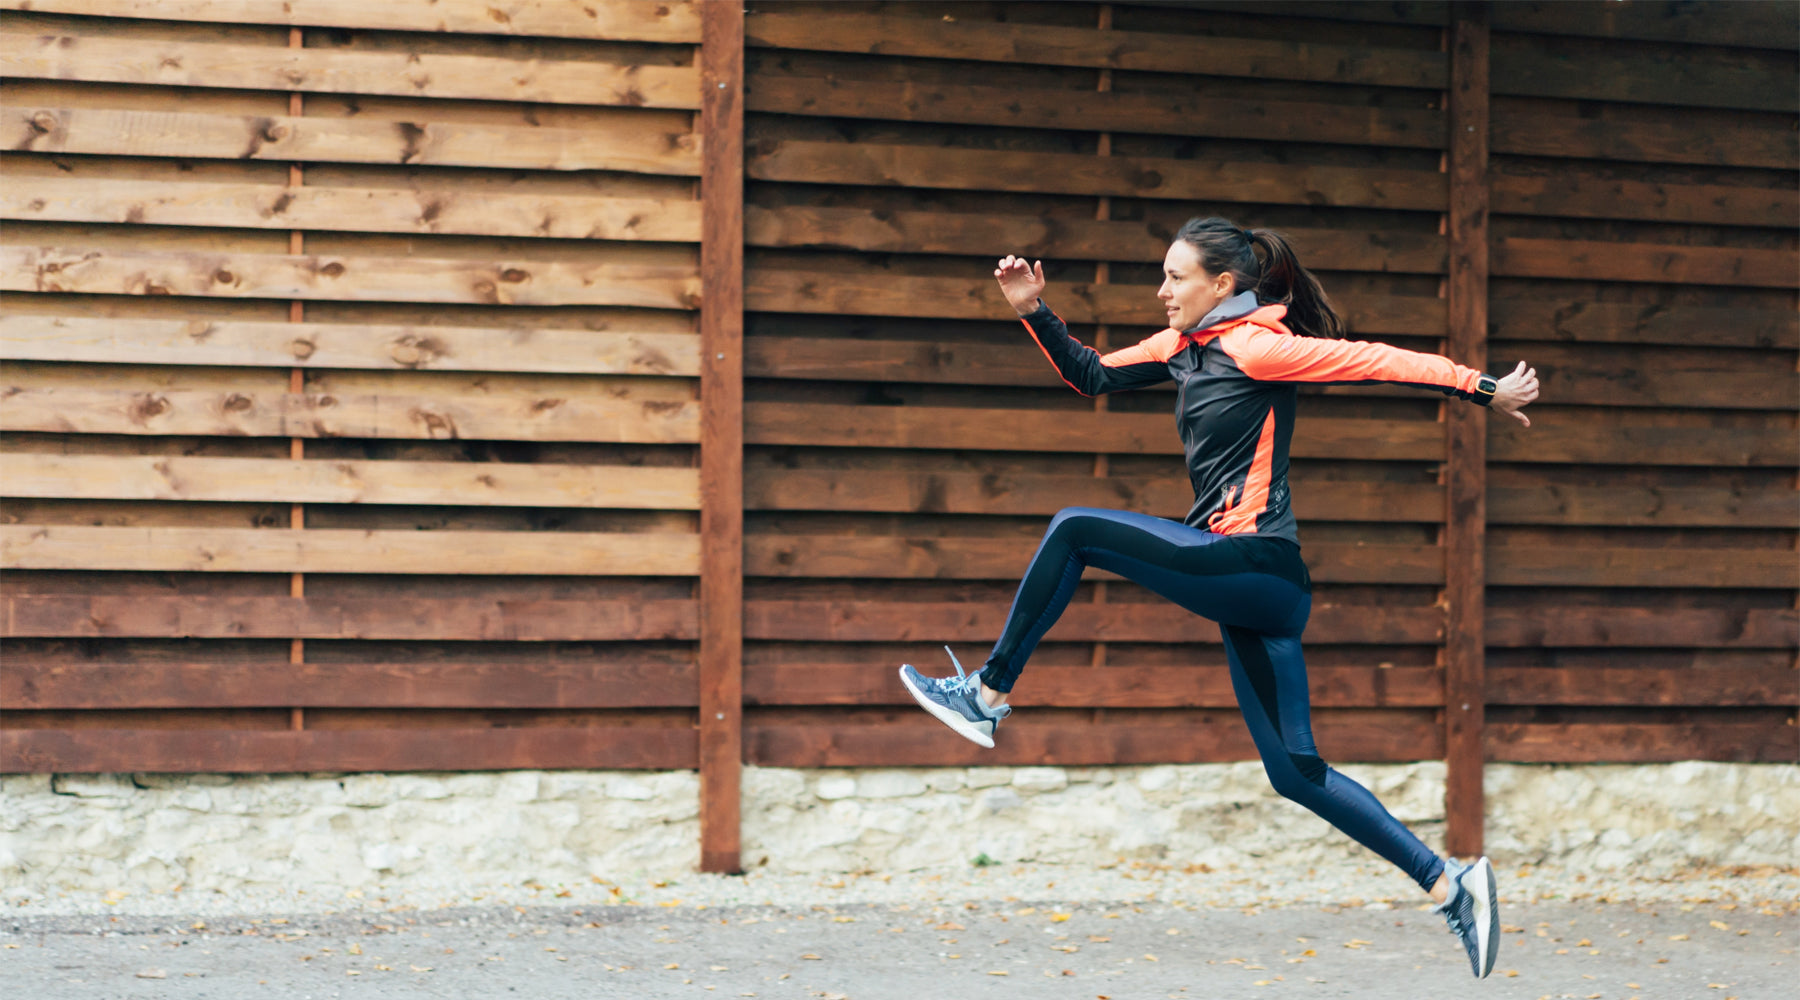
[(1758, 23), (1663, 506), (1594, 260), (1086, 687), (255, 550), (661, 21), (1526, 67), (884, 165), (459, 484), (1525, 134), (1588, 321), (140, 62), (1568, 193), (939, 558), (1638, 743), (1748, 686), (378, 279), (79, 685), (1168, 112), (25, 337), (1569, 441), (603, 145), (772, 487), (66, 751), (397, 617), (251, 414), (959, 232), (1204, 735), (830, 425), (1554, 624), (1016, 42), (1671, 566), (769, 289), (918, 621), (1564, 376), (348, 209)]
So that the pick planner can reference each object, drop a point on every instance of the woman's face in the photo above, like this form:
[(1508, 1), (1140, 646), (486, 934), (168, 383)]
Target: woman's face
[(1188, 291)]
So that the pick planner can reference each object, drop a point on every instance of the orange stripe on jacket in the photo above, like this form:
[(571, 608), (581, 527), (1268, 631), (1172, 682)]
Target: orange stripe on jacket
[(1241, 518), (1278, 356), (1157, 347)]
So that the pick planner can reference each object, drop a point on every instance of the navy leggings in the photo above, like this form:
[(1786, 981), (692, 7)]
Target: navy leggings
[(1258, 590)]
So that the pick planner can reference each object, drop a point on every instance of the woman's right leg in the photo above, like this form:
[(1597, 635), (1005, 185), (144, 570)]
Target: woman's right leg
[(1255, 582)]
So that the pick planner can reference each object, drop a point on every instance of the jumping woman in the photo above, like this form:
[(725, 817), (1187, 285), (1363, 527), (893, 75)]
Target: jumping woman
[(1246, 322)]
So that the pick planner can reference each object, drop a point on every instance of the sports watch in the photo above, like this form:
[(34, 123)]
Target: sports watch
[(1485, 387)]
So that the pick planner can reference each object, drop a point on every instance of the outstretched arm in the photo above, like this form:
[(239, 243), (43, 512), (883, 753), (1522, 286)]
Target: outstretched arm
[(1269, 356), (1084, 369)]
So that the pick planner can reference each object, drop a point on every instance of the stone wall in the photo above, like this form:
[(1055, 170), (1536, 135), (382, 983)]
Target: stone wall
[(152, 832)]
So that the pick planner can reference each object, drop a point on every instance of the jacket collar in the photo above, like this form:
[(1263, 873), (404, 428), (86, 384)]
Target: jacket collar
[(1239, 307)]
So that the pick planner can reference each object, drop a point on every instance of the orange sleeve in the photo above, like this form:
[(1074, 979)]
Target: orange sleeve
[(1268, 356)]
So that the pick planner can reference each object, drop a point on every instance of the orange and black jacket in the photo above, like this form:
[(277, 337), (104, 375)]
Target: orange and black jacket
[(1234, 405)]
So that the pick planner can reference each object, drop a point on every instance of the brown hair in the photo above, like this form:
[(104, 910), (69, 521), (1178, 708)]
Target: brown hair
[(1262, 261)]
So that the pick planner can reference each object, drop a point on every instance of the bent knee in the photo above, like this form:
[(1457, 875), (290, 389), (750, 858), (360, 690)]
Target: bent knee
[(1296, 776)]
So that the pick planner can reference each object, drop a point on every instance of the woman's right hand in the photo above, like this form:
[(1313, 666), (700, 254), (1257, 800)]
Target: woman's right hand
[(1020, 282)]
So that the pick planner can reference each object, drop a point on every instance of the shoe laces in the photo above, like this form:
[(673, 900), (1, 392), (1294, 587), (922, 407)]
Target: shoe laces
[(964, 680)]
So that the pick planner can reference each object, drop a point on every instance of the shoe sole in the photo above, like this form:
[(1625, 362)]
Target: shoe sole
[(1485, 894), (955, 721)]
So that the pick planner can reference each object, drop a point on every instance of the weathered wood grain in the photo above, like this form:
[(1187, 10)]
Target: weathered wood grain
[(605, 145), (1661, 686), (255, 550), (1679, 77), (345, 71), (1588, 321), (1597, 260), (1670, 566), (1521, 133), (1646, 444), (1662, 506), (1635, 628), (1756, 25), (1639, 743)]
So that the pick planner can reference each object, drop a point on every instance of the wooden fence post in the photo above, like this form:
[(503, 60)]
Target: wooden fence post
[(721, 432), (1466, 428)]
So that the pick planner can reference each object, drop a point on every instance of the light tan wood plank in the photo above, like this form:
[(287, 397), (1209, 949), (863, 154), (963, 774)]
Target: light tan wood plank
[(361, 210), (345, 71), (503, 484), (279, 414), (618, 20), (372, 279), (256, 550), (328, 345), (608, 145)]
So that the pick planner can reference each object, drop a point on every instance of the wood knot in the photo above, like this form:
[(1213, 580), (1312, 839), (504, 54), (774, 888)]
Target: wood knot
[(43, 121), (237, 402), (224, 277), (515, 275), (275, 133), (302, 348), (335, 269)]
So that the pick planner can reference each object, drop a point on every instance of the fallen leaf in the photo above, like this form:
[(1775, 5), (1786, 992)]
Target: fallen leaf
[(673, 965), (384, 968), (1057, 918), (1263, 982), (153, 974), (354, 949), (843, 920), (351, 972), (1510, 973), (998, 972), (1172, 931), (1097, 939), (1678, 937), (810, 957), (1025, 911), (1151, 958), (951, 927), (1721, 925), (420, 968)]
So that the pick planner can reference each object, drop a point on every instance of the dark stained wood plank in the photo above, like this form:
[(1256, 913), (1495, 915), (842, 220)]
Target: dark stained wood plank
[(1665, 506), (883, 165), (881, 294), (1640, 743), (1052, 45), (1520, 133), (772, 487), (540, 685), (1672, 566), (1568, 193), (938, 558), (909, 621), (1170, 112), (1203, 736), (721, 679), (831, 425), (1596, 260), (1772, 24), (1560, 441), (1588, 321), (392, 618), (957, 232), (663, 21), (1566, 378), (1089, 687), (1683, 77), (1682, 686), (68, 751), (1639, 628)]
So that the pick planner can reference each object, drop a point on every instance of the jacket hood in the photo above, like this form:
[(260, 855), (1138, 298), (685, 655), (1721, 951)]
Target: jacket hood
[(1240, 307)]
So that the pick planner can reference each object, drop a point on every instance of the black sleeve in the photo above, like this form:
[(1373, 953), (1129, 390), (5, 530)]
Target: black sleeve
[(1083, 368)]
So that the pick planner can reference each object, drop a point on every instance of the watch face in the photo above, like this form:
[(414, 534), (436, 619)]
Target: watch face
[(1487, 384)]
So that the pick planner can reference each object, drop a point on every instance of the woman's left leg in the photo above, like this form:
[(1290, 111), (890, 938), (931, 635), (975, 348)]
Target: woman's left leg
[(1269, 675)]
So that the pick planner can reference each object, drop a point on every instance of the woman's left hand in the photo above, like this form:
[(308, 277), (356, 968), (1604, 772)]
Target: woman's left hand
[(1515, 391)]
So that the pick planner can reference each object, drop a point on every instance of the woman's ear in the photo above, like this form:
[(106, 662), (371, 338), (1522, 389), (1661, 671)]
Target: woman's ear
[(1225, 285)]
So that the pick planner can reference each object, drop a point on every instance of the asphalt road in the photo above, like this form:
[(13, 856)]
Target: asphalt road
[(1044, 950)]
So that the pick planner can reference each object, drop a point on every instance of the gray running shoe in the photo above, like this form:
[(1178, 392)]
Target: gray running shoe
[(1473, 912), (956, 701)]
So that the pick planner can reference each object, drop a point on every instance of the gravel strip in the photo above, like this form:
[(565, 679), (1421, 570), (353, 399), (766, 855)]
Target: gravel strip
[(1372, 886)]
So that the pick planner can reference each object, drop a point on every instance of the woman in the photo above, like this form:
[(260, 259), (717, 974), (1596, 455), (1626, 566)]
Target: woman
[(1246, 322)]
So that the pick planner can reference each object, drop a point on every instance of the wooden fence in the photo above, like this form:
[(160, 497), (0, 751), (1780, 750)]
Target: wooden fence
[(432, 385)]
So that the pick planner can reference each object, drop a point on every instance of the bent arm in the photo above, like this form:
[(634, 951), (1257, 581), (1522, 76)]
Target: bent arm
[(1091, 373), (1268, 356)]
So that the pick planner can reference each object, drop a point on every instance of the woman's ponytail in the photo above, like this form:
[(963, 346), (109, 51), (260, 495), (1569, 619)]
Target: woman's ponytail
[(1262, 261)]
